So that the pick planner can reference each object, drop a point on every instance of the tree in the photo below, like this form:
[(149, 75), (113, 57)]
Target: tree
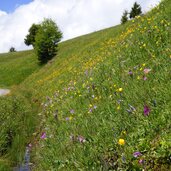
[(124, 18), (30, 38), (46, 40), (12, 49), (135, 11)]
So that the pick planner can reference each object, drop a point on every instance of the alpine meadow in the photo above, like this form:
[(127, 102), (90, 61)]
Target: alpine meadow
[(102, 103)]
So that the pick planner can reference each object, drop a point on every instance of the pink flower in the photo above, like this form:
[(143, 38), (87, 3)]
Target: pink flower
[(147, 70), (43, 135), (81, 139), (141, 161), (144, 78)]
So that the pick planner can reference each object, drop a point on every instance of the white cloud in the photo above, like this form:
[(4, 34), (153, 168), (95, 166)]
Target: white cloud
[(74, 18)]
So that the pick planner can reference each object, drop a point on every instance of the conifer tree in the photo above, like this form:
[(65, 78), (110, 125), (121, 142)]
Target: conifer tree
[(135, 11), (124, 18)]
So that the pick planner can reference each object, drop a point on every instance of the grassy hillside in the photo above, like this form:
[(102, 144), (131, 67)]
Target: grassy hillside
[(102, 104), (16, 66)]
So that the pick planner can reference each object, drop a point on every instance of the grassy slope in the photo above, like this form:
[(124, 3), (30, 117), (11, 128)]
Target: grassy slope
[(17, 122), (81, 95), (16, 66)]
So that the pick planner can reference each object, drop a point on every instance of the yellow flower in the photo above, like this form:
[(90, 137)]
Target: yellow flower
[(124, 132), (121, 141), (120, 89), (70, 118), (138, 78), (118, 108), (143, 64)]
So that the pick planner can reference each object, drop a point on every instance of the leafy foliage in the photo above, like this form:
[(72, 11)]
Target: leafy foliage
[(30, 38), (47, 40)]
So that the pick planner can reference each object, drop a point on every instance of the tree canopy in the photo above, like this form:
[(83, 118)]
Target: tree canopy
[(30, 38), (46, 40)]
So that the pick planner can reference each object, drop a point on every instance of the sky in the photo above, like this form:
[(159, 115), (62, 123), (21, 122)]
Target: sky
[(73, 17)]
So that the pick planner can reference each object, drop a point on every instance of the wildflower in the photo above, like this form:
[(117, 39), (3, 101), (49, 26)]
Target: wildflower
[(120, 89), (69, 118), (141, 161), (144, 78), (137, 154), (72, 111), (130, 73), (146, 110), (121, 142), (147, 70), (43, 135), (90, 110), (138, 78), (118, 108), (95, 107), (143, 65), (81, 139), (124, 132)]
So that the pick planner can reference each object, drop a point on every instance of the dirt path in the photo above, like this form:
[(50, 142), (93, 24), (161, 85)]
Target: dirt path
[(4, 92)]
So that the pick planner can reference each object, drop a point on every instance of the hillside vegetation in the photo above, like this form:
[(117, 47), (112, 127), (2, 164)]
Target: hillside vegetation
[(16, 66), (103, 103)]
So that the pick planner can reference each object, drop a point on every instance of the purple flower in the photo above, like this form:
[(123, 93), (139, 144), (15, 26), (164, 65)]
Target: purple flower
[(146, 110), (130, 73), (90, 110), (72, 111), (67, 118), (43, 135), (137, 154)]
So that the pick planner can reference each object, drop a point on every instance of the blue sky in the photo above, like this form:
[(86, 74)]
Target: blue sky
[(10, 5)]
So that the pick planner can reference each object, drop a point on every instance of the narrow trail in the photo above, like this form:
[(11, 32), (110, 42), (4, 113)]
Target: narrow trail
[(4, 92)]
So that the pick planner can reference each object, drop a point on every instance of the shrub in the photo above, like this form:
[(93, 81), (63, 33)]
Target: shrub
[(12, 49)]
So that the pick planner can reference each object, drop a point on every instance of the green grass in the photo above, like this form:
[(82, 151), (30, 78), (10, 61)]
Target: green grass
[(92, 94), (16, 66)]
